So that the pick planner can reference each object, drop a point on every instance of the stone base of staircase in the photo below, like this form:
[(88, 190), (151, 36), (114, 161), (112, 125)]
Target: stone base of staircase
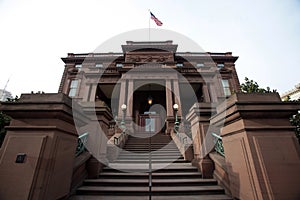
[(128, 176)]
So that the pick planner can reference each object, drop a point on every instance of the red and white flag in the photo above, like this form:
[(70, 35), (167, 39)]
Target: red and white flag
[(157, 21)]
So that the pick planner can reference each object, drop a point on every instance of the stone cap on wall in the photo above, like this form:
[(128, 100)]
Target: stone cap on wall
[(254, 105), (44, 106)]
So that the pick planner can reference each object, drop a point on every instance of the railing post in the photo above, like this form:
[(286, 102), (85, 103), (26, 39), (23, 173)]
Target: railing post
[(199, 117)]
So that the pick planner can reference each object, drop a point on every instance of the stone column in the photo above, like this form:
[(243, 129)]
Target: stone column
[(37, 156), (122, 100), (199, 117), (93, 92), (205, 92), (213, 92), (129, 99), (169, 107), (169, 102), (261, 150), (177, 96)]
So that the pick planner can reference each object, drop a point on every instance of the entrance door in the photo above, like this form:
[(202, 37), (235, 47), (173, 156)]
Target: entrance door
[(150, 123)]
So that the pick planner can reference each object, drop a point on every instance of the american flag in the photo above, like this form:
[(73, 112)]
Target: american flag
[(157, 21)]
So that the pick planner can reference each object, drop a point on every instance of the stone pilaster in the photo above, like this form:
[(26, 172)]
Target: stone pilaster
[(199, 117), (169, 107), (129, 99), (122, 100)]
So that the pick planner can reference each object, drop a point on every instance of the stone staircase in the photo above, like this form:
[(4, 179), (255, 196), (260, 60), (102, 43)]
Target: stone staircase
[(171, 176)]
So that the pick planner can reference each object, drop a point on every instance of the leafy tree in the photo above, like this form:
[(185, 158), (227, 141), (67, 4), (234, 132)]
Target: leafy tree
[(251, 86), (295, 119), (4, 121)]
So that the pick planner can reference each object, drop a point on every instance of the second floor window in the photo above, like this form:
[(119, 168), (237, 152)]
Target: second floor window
[(73, 88), (220, 65), (179, 65), (226, 87), (199, 65), (99, 65)]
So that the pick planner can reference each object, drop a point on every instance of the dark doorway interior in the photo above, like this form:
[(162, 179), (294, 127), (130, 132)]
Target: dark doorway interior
[(141, 96)]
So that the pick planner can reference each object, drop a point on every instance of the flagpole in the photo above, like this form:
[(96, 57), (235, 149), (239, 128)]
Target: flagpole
[(149, 27), (3, 91)]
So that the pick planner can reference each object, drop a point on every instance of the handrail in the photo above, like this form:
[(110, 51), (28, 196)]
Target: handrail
[(118, 139), (217, 136), (183, 133), (82, 140), (218, 144), (150, 167)]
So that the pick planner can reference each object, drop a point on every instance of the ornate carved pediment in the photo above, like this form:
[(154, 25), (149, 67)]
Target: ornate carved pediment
[(149, 58)]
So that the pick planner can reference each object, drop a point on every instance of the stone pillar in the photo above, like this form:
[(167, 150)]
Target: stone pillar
[(98, 125), (169, 107), (177, 96), (213, 92), (89, 92), (205, 93), (261, 150), (129, 99), (122, 100), (169, 103), (199, 117), (37, 156)]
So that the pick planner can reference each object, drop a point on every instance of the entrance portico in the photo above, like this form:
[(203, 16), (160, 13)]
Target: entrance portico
[(160, 85)]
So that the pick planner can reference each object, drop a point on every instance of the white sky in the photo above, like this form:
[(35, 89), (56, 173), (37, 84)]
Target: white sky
[(35, 34)]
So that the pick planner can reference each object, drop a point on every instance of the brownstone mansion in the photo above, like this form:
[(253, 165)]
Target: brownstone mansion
[(150, 122)]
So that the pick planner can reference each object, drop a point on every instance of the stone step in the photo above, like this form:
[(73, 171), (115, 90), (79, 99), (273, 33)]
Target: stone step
[(160, 190), (155, 152), (147, 161), (155, 175), (140, 151), (145, 182), (172, 176), (143, 167), (146, 197), (148, 143), (146, 157), (152, 149)]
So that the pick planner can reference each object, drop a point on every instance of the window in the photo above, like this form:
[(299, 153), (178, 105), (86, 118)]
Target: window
[(119, 65), (99, 65), (226, 87), (220, 65), (78, 66), (179, 65), (199, 65), (73, 88)]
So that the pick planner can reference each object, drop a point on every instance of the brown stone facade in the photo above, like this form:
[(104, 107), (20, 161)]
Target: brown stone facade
[(153, 69)]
